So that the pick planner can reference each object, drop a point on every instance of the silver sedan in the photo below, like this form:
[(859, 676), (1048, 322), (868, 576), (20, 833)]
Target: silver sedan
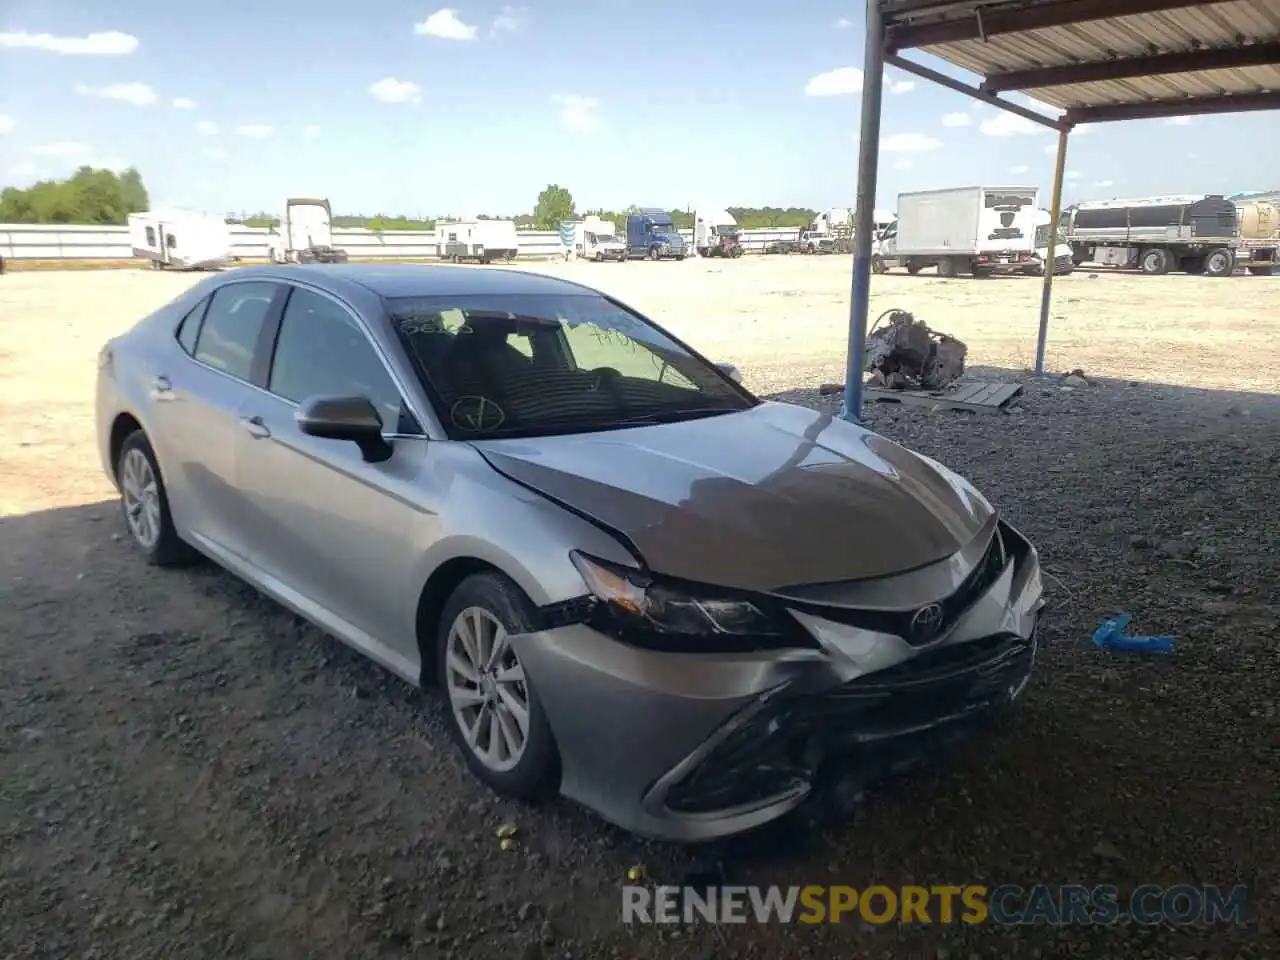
[(636, 583)]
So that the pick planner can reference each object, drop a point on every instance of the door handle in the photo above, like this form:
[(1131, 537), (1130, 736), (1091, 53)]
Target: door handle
[(256, 427), (161, 388)]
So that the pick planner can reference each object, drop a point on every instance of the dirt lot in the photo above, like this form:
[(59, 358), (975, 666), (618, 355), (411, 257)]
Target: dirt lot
[(188, 771)]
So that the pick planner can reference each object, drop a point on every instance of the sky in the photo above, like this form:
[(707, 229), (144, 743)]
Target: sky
[(401, 108)]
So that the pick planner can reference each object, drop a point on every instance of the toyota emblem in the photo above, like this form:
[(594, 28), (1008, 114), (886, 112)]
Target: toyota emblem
[(926, 623)]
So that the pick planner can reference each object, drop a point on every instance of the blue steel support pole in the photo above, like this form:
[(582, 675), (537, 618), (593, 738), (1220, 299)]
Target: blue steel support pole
[(1055, 211), (864, 218)]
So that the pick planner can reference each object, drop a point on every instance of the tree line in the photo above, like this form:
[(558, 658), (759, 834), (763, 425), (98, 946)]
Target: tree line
[(103, 197)]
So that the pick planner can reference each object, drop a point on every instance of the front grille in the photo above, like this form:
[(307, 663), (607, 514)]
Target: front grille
[(869, 723), (898, 622)]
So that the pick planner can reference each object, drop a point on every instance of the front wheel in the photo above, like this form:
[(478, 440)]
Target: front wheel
[(1220, 262), (145, 504), (494, 713)]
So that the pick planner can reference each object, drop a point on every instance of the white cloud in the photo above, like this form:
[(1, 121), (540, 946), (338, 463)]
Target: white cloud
[(957, 119), (835, 83), (1020, 168), (112, 43), (1178, 122), (139, 94), (903, 163), (24, 170), (577, 113), (255, 131), (214, 153), (7, 123), (844, 23), (1073, 174), (1006, 124), (508, 20), (1105, 183), (391, 90), (62, 148), (446, 25), (311, 131), (182, 103), (909, 143), (206, 128), (901, 86)]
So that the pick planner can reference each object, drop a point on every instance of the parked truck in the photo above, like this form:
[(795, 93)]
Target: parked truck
[(480, 240), (1258, 232), (596, 239), (830, 232), (651, 233), (305, 234), (963, 230), (716, 234), (1061, 253), (1194, 233), (180, 240)]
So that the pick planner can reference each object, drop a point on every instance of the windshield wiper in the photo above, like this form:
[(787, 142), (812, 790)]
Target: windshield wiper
[(674, 416)]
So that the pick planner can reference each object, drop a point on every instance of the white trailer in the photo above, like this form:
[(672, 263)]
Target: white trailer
[(597, 240), (480, 240), (716, 233), (305, 234), (183, 241), (963, 230)]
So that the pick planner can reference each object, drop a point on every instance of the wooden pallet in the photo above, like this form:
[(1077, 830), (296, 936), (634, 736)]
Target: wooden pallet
[(980, 396)]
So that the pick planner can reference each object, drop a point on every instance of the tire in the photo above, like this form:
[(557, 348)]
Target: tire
[(982, 273), (1219, 262), (946, 267), (878, 265), (654, 254), (1264, 271), (913, 268), (145, 505), (1154, 261), (531, 771)]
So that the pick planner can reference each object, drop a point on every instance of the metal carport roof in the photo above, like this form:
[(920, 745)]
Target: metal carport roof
[(1096, 60)]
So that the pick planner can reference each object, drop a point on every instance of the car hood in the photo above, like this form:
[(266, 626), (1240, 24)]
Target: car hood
[(772, 497)]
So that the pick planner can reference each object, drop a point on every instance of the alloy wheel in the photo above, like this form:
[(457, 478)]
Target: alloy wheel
[(487, 692), (141, 496)]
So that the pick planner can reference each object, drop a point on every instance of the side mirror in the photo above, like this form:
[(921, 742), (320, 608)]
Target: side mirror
[(730, 371), (354, 419)]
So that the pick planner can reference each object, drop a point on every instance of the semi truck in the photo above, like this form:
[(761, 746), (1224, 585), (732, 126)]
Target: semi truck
[(305, 234), (480, 240), (180, 240), (1258, 232), (651, 233), (716, 233), (1195, 233), (830, 232), (963, 230)]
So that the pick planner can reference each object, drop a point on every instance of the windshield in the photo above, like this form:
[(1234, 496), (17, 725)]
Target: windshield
[(517, 365), (603, 237), (661, 226), (727, 230)]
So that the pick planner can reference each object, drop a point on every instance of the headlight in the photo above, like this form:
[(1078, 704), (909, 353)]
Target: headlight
[(639, 609)]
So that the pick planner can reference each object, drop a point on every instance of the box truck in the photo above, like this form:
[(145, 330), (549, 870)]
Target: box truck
[(964, 230), (596, 239)]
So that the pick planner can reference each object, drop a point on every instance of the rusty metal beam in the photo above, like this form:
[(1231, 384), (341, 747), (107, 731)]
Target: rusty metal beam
[(1254, 55), (959, 86), (1007, 18), (1191, 107)]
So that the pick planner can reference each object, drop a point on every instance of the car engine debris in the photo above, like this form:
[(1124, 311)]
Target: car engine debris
[(904, 354)]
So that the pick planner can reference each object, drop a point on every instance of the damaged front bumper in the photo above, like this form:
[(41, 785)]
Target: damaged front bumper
[(691, 747)]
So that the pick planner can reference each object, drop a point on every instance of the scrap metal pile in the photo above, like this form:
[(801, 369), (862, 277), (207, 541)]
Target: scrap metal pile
[(904, 354)]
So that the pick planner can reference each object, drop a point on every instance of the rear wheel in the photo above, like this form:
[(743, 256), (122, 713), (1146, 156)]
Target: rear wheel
[(1220, 262), (494, 712), (946, 267), (146, 505), (1155, 261), (913, 268)]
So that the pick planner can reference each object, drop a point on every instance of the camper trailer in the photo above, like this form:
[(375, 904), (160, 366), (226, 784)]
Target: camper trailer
[(480, 240), (180, 241)]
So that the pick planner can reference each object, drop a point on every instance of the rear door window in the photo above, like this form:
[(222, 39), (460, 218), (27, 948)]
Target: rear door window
[(232, 324)]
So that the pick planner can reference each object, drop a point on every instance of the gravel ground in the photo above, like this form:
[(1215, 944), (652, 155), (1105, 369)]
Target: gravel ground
[(186, 770)]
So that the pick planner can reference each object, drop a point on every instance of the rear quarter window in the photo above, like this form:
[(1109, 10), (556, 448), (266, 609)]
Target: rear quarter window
[(189, 328)]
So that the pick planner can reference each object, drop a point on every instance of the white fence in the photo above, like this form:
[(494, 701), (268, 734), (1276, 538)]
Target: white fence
[(61, 242)]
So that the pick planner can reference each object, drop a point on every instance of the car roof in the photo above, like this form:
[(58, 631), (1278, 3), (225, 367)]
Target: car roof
[(419, 280)]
